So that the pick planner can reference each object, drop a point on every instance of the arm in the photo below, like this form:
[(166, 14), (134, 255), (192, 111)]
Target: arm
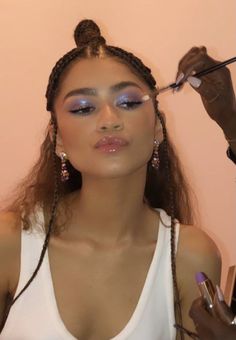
[(196, 252), (9, 258)]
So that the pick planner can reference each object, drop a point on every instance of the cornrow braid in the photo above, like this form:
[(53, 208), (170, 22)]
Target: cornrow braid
[(135, 62), (56, 74)]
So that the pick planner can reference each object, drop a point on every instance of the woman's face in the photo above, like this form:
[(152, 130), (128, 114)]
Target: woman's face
[(106, 121)]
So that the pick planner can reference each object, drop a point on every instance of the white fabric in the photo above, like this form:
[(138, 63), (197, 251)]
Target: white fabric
[(35, 315)]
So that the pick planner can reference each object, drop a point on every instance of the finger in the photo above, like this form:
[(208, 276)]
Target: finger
[(221, 308), (194, 64), (188, 70), (192, 52), (191, 57), (203, 49), (204, 322), (199, 314), (194, 82), (208, 91)]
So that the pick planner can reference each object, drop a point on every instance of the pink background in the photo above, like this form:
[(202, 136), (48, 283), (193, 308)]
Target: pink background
[(34, 34)]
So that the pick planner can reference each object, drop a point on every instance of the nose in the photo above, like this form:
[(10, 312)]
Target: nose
[(109, 120)]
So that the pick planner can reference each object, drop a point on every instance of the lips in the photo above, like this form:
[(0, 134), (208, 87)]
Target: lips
[(111, 143)]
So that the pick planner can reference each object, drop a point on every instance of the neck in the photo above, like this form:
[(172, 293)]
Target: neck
[(110, 209)]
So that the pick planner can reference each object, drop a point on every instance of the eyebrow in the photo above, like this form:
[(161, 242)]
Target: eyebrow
[(93, 91)]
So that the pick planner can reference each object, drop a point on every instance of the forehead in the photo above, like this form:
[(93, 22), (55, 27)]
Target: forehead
[(98, 73)]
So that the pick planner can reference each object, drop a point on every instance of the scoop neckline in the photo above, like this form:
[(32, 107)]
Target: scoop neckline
[(137, 312)]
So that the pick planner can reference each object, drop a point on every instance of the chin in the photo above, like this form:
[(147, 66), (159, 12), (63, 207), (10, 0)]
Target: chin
[(113, 171)]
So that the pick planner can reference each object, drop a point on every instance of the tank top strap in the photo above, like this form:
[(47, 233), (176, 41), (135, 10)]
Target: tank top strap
[(165, 225)]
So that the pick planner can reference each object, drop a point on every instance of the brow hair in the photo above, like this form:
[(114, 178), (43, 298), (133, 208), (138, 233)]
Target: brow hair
[(94, 92)]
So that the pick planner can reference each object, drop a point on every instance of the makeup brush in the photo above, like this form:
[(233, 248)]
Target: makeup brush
[(199, 74)]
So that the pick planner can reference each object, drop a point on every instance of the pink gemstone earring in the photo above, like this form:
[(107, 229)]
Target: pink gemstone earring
[(155, 162), (64, 172)]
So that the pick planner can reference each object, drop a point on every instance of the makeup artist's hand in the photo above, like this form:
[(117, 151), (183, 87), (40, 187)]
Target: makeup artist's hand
[(215, 89), (213, 328)]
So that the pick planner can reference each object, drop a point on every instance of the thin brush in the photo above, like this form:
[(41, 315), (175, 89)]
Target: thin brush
[(199, 74)]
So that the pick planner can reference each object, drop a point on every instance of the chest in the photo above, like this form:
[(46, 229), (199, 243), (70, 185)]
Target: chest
[(96, 290)]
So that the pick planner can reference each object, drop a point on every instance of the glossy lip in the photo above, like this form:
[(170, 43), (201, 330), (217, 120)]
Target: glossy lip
[(111, 141)]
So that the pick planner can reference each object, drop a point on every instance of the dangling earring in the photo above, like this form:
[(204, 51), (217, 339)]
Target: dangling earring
[(155, 162), (64, 172)]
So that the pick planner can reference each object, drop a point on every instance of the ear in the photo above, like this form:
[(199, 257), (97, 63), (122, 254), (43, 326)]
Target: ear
[(59, 146)]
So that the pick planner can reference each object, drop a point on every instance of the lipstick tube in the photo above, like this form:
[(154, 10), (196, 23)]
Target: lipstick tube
[(206, 289)]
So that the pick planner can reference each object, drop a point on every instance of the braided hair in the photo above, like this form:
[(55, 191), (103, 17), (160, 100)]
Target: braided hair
[(168, 181)]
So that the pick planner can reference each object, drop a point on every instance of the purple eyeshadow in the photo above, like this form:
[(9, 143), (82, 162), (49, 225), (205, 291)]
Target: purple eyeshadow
[(131, 97), (78, 103)]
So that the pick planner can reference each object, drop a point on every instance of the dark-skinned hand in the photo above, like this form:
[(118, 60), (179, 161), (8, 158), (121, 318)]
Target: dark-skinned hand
[(215, 327), (215, 89)]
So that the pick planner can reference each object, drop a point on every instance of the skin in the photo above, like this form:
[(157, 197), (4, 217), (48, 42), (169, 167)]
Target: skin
[(216, 90), (117, 231)]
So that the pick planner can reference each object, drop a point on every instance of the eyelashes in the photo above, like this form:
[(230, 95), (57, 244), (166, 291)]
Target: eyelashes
[(85, 107), (83, 110)]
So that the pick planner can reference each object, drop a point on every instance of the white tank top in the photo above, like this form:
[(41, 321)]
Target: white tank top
[(35, 315)]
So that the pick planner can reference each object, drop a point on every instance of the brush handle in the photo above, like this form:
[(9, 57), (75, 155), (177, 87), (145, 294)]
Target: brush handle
[(202, 73)]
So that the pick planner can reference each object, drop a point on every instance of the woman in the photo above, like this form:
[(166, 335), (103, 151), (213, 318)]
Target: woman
[(103, 240)]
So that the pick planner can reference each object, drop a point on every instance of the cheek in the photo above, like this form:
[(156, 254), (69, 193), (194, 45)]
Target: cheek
[(145, 130), (146, 118), (75, 138)]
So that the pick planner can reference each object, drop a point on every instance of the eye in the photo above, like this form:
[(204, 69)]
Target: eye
[(81, 106), (129, 104), (83, 110), (129, 101)]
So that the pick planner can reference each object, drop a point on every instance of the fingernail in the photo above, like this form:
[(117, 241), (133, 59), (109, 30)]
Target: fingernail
[(195, 82), (179, 78), (219, 293)]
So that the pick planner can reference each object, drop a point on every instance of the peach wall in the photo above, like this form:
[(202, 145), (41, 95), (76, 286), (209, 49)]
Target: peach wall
[(34, 34)]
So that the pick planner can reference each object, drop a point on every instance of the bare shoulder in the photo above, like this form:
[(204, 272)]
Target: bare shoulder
[(9, 229), (195, 247), (9, 245)]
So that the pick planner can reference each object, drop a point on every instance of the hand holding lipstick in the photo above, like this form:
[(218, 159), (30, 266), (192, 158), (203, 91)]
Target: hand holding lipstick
[(219, 323)]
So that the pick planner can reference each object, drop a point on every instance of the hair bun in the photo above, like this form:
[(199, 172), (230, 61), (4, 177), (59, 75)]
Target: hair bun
[(88, 32)]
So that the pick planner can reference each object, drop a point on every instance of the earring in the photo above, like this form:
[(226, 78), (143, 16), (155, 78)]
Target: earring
[(64, 172), (155, 162)]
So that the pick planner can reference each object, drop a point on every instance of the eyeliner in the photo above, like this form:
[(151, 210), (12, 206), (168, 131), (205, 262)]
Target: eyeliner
[(200, 74)]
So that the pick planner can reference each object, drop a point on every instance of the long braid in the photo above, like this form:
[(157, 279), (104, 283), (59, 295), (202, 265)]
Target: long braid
[(48, 233), (172, 214)]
